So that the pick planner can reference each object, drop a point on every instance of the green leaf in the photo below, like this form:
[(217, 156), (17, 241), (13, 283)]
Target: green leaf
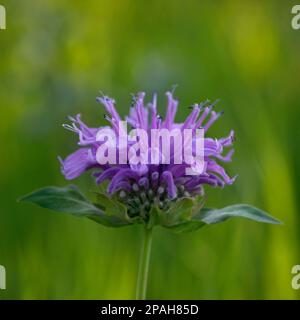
[(179, 217), (180, 211), (211, 216), (71, 200), (111, 206), (186, 226)]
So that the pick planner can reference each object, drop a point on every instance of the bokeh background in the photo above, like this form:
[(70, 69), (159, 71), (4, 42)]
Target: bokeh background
[(54, 58)]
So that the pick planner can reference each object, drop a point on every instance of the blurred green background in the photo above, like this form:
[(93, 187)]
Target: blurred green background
[(54, 58)]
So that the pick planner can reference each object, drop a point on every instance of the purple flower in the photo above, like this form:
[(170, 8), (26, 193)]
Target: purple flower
[(142, 186), (167, 191)]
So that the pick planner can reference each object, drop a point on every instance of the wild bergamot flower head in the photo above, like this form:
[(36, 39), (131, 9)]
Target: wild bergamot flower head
[(142, 186), (149, 193)]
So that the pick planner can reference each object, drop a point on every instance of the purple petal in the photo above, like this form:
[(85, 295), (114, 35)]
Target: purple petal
[(107, 174), (171, 111), (123, 174), (77, 163), (168, 178)]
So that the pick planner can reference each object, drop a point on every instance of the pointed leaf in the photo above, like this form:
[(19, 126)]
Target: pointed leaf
[(71, 200), (211, 216)]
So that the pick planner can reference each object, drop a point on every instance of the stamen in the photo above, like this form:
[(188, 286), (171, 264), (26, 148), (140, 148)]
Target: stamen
[(71, 128)]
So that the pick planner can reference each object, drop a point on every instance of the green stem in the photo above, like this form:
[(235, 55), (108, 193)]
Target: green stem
[(144, 265)]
